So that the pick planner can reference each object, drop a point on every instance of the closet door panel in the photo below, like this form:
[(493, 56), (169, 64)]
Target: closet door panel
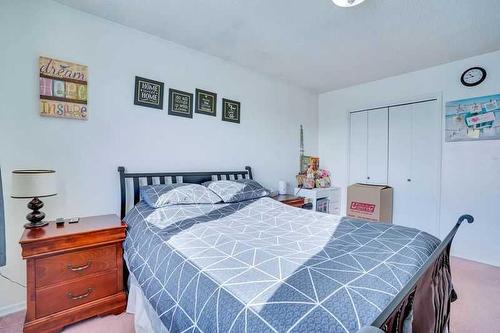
[(358, 147), (399, 168), (414, 165), (377, 146), (426, 165)]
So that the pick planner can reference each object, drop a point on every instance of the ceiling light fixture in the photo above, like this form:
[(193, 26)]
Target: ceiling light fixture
[(347, 3)]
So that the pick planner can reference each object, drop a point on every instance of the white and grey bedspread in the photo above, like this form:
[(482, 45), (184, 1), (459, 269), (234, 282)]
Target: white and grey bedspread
[(262, 266)]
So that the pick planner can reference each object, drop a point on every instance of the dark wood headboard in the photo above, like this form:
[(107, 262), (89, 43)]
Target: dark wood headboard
[(174, 177)]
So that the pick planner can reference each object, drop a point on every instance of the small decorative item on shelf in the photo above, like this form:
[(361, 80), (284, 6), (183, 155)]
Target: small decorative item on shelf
[(323, 178), (309, 181), (313, 176), (314, 163), (300, 179)]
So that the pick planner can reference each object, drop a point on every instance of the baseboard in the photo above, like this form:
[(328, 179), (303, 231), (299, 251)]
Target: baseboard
[(475, 260), (8, 309)]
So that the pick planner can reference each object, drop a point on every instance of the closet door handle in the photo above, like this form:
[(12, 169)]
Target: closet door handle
[(408, 180), (368, 177)]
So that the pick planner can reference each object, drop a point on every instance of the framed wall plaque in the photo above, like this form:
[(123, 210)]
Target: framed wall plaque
[(148, 93), (180, 103), (206, 102), (63, 89), (231, 111)]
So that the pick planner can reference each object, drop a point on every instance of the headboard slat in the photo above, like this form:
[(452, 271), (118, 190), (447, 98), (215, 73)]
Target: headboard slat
[(187, 177), (137, 194)]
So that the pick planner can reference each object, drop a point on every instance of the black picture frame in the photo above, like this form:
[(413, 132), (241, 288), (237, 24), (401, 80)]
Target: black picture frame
[(148, 93), (231, 111), (205, 102), (180, 103)]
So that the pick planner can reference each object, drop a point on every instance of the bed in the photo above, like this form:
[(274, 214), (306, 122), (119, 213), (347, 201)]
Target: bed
[(262, 266)]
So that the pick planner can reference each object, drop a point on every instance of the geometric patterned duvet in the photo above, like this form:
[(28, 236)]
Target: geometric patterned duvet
[(262, 266)]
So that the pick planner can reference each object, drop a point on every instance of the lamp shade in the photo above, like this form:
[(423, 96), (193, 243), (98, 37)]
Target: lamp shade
[(33, 184)]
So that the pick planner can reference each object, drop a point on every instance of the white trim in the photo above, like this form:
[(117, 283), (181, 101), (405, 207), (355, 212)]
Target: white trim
[(12, 308), (392, 102)]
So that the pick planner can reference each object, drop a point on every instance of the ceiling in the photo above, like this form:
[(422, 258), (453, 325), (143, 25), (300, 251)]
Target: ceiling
[(313, 43)]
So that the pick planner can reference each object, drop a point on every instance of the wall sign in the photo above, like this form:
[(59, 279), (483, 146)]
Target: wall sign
[(473, 119), (206, 102), (63, 89), (148, 93), (231, 111), (180, 103)]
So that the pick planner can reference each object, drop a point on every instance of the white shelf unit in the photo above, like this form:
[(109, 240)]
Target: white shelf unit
[(333, 194)]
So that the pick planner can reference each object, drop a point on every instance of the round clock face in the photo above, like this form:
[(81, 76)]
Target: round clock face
[(473, 76)]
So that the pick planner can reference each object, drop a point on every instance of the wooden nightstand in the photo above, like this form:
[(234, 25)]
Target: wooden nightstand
[(74, 272), (290, 200)]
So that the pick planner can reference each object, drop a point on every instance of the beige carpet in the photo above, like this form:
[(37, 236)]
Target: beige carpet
[(478, 306), (476, 310)]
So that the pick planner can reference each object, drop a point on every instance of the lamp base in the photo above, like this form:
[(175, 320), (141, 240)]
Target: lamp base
[(32, 225), (36, 216)]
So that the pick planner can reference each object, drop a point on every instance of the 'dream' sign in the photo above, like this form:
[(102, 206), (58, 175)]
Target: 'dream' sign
[(63, 89)]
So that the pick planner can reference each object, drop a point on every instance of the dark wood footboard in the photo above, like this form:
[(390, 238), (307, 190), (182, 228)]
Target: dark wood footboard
[(427, 296)]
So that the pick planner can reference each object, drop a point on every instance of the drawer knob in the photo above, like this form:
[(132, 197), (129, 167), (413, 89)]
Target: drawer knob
[(79, 268), (82, 296)]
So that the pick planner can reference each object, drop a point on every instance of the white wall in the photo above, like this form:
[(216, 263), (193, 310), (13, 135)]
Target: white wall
[(85, 154), (470, 170)]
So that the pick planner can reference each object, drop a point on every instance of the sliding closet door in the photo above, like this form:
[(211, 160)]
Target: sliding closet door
[(368, 147), (377, 146), (426, 165), (414, 164), (358, 147), (399, 168)]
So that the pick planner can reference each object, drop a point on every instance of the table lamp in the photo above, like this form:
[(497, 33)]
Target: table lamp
[(34, 184)]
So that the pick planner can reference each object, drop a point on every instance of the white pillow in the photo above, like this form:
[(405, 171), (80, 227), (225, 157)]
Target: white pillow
[(176, 194)]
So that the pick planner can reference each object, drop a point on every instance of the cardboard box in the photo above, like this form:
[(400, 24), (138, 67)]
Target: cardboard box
[(370, 202)]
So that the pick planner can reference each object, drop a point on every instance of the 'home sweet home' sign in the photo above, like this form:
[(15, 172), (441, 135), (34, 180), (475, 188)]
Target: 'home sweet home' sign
[(63, 89)]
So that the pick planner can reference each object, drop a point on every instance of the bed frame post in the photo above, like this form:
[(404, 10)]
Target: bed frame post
[(249, 169), (121, 171)]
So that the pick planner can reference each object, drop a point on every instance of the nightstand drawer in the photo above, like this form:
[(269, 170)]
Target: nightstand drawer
[(75, 264), (53, 299)]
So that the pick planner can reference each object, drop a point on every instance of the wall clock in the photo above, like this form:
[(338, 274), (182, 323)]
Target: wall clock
[(473, 76)]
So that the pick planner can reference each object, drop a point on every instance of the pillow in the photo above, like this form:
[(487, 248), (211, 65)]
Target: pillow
[(237, 190), (174, 194)]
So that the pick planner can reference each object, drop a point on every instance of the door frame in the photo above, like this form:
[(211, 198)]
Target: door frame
[(438, 97)]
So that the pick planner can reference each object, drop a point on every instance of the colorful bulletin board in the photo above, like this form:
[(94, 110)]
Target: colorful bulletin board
[(473, 119), (63, 89)]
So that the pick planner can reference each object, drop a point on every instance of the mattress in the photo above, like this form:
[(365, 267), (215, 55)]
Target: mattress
[(262, 266)]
